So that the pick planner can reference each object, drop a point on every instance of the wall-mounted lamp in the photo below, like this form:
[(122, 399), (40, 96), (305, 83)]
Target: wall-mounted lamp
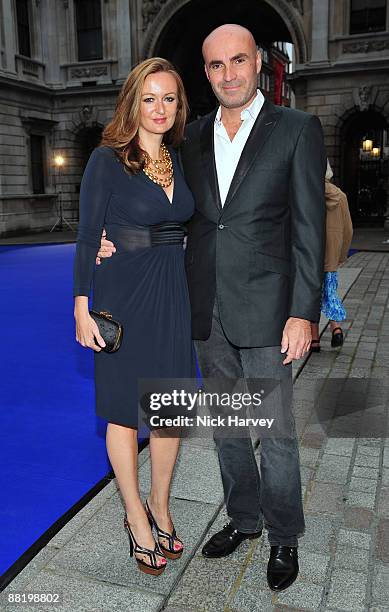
[(367, 145)]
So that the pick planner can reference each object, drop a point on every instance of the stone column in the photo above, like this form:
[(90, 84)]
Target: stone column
[(320, 17), (50, 41), (10, 44), (123, 29), (3, 59)]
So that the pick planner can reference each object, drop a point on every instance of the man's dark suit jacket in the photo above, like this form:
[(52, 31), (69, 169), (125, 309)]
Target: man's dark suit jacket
[(262, 252)]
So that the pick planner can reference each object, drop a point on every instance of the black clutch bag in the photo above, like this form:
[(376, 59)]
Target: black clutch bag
[(111, 331)]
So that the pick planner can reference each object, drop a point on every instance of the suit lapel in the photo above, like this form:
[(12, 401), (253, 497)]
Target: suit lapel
[(262, 128), (208, 156)]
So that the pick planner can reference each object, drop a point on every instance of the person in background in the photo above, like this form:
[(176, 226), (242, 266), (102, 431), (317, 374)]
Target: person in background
[(339, 232)]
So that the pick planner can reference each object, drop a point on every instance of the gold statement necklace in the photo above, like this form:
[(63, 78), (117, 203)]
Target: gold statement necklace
[(160, 171)]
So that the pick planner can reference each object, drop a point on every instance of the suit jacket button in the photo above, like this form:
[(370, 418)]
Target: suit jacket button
[(221, 226)]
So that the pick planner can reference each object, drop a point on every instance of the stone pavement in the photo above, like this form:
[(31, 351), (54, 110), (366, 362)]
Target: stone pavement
[(370, 239), (344, 554)]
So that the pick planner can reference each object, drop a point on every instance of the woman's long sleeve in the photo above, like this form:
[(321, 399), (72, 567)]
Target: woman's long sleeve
[(95, 193)]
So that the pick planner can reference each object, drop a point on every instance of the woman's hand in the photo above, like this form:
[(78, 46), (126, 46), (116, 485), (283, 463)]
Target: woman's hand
[(87, 332)]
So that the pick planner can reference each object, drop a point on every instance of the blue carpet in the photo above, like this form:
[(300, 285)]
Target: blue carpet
[(52, 446)]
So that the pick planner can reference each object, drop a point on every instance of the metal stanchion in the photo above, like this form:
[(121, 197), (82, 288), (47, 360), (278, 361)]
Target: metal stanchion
[(59, 162)]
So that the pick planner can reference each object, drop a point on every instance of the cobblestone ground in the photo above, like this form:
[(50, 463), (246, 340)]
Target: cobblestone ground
[(344, 554)]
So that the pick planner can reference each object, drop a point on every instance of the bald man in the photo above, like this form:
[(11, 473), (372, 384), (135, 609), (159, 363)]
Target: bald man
[(254, 263), (255, 266)]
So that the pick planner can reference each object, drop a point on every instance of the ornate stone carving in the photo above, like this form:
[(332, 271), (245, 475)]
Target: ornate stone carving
[(150, 8), (364, 96), (87, 117), (87, 112), (87, 72), (298, 5), (365, 46)]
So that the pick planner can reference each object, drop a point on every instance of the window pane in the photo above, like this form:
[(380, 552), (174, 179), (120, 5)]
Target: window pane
[(89, 45), (367, 16), (89, 35), (23, 27), (37, 163)]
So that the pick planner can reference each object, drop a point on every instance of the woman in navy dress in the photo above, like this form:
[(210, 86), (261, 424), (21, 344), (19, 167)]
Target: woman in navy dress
[(133, 187)]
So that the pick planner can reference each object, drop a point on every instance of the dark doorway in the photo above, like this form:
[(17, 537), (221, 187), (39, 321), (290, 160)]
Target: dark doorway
[(365, 172), (182, 38), (88, 138)]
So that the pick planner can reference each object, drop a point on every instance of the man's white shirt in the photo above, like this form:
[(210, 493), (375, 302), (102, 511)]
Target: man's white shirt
[(227, 153)]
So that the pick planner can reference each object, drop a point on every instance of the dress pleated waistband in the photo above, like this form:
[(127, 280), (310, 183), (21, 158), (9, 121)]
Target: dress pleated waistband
[(128, 238)]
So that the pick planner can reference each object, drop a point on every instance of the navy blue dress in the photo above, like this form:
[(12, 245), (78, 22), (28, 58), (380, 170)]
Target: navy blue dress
[(142, 286)]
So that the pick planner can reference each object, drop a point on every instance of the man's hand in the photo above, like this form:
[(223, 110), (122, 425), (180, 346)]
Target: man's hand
[(106, 248), (296, 339)]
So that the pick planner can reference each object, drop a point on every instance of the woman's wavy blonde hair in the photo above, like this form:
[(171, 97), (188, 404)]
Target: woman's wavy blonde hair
[(121, 133)]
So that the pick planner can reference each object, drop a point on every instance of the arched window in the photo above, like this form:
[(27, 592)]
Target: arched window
[(89, 34)]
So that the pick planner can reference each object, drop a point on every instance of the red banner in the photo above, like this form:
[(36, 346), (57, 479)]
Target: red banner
[(279, 69)]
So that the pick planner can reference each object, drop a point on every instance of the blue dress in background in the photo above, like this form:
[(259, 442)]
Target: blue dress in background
[(331, 304), (142, 286)]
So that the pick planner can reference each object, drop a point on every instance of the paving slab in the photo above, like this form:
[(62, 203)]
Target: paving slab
[(319, 532), (302, 595), (357, 518), (333, 468), (251, 600), (348, 590), (327, 498), (352, 558), (205, 585), (381, 584)]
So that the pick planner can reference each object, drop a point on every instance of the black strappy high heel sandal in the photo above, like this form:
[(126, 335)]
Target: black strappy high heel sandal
[(337, 337), (169, 552), (148, 568)]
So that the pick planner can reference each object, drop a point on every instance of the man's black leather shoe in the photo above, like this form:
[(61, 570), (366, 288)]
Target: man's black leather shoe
[(224, 542), (283, 567)]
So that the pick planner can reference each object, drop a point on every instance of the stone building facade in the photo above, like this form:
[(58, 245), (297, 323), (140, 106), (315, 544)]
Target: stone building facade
[(62, 63)]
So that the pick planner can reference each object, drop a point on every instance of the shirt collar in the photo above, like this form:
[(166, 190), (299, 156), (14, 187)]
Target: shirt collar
[(251, 112)]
